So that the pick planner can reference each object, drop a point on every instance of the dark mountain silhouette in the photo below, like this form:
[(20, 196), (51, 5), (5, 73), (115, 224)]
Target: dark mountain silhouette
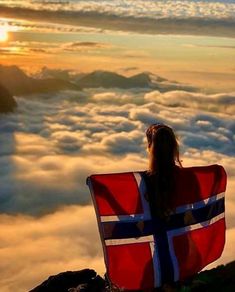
[(107, 79), (141, 80), (218, 279), (63, 74), (17, 82), (7, 102)]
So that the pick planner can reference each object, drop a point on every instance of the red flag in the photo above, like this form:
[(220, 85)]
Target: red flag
[(142, 251)]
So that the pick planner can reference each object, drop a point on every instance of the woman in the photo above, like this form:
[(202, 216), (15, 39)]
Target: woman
[(174, 241)]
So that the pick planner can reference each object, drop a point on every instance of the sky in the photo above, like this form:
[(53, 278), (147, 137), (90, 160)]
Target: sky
[(54, 141), (190, 41)]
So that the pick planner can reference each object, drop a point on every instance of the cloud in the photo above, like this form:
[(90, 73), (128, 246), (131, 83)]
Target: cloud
[(209, 46), (228, 253), (28, 47), (67, 137), (40, 174), (210, 9), (221, 102), (19, 48), (13, 51), (128, 69), (178, 17), (123, 142), (14, 24), (84, 46), (67, 141), (31, 249), (121, 97)]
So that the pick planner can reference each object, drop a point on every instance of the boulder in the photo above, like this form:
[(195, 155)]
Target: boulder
[(84, 280)]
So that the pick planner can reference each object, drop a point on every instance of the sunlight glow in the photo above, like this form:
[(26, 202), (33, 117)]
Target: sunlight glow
[(3, 34)]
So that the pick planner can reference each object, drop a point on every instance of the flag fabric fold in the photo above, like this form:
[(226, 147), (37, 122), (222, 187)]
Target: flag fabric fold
[(142, 251)]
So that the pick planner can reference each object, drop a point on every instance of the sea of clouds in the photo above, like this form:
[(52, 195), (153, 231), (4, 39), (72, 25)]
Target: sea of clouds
[(54, 141)]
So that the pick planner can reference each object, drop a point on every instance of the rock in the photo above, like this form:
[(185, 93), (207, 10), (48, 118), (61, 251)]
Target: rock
[(218, 279), (7, 102), (84, 280), (221, 278)]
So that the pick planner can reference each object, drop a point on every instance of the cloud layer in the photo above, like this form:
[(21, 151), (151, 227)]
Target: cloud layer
[(23, 48), (137, 8), (60, 140), (32, 250), (180, 17)]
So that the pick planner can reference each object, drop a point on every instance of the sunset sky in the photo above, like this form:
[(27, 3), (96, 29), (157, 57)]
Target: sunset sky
[(91, 35), (55, 140)]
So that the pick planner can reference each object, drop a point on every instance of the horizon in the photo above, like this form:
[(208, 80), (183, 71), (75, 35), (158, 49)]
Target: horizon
[(62, 132)]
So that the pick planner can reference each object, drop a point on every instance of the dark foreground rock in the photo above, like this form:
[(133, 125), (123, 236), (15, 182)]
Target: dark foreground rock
[(218, 279), (69, 282), (7, 102)]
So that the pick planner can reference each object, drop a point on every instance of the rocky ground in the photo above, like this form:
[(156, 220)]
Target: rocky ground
[(220, 279)]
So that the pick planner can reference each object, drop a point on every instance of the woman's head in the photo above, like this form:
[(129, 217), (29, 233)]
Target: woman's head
[(163, 147)]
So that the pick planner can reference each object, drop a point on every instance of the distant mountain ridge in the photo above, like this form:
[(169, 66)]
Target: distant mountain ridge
[(107, 79), (17, 82)]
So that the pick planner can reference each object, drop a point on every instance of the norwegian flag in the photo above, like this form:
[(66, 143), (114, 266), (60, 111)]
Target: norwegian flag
[(143, 252)]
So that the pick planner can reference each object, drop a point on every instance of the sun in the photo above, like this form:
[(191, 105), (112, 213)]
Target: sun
[(3, 34)]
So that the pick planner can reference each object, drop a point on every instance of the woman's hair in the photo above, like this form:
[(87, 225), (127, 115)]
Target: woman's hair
[(164, 156)]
